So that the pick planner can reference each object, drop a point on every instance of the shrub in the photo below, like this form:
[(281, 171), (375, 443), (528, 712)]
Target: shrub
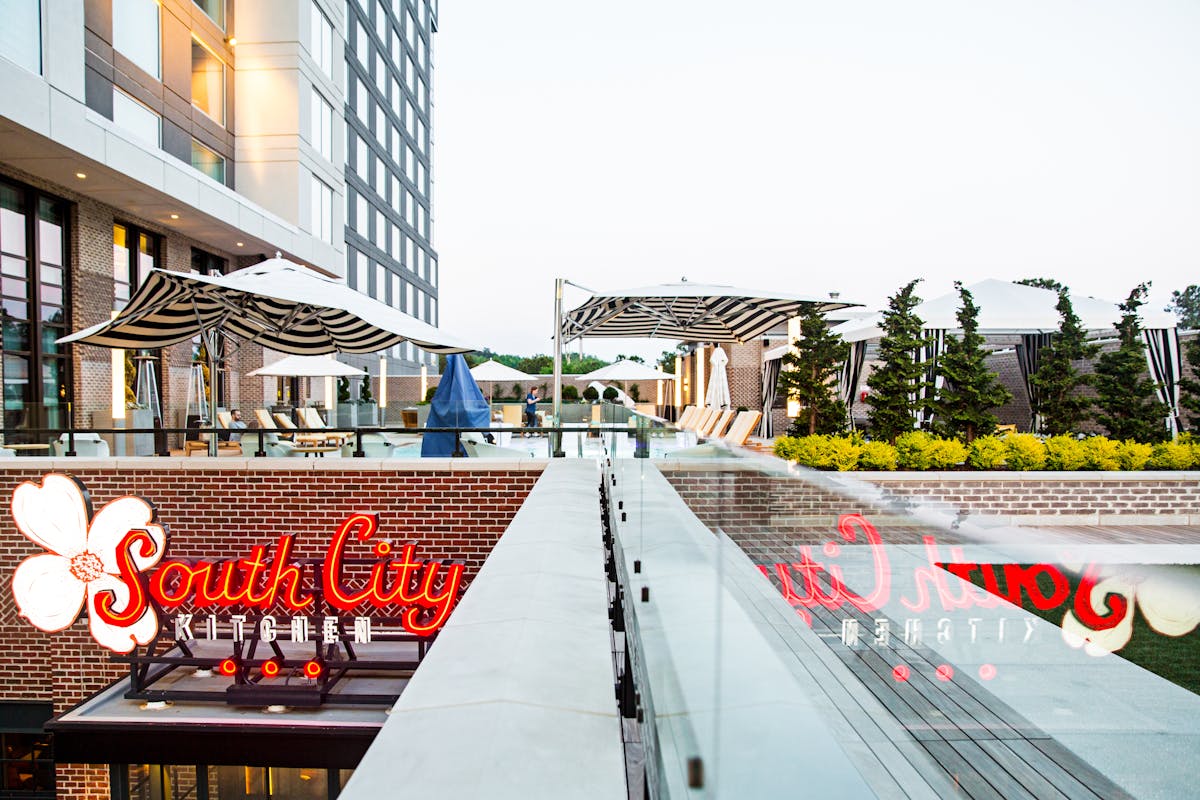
[(1064, 453), (877, 456), (610, 393), (818, 452), (1171, 455), (912, 450), (986, 452), (635, 392), (1024, 451), (590, 394), (946, 453), (1133, 455), (570, 392), (429, 393), (1100, 452)]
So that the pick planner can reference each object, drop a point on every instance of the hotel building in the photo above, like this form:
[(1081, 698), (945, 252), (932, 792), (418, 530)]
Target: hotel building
[(202, 135)]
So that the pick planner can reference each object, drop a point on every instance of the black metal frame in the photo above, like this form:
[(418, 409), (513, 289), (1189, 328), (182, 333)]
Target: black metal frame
[(165, 654)]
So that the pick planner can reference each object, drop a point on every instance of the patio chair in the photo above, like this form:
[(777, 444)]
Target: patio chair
[(720, 424), (702, 420), (742, 427), (87, 445), (273, 446), (312, 419), (285, 424), (224, 419), (374, 445), (685, 417)]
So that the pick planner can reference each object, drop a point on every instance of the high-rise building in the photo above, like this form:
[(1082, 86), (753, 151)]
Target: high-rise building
[(204, 135)]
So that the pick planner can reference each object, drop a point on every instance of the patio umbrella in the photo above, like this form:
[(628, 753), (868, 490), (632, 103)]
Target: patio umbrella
[(457, 403), (492, 371), (277, 303), (693, 312), (717, 395), (626, 370), (307, 367)]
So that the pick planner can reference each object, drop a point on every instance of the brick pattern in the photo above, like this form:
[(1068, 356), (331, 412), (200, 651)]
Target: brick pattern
[(451, 514)]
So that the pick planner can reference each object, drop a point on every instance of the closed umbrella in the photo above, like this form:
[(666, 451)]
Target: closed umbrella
[(717, 395), (457, 403)]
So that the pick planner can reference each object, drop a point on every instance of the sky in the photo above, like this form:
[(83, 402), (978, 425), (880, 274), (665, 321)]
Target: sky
[(807, 146)]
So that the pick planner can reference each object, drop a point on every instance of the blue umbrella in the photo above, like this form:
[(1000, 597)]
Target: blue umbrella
[(457, 403)]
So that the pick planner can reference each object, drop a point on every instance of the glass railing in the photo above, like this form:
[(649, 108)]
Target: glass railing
[(792, 632)]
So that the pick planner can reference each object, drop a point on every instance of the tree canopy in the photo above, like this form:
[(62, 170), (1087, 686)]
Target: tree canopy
[(897, 386), (970, 391), (1185, 305), (1127, 403), (1062, 404), (811, 375)]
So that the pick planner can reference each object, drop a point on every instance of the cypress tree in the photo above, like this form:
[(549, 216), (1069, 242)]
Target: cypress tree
[(811, 376), (964, 406), (1063, 406), (1128, 406), (898, 384)]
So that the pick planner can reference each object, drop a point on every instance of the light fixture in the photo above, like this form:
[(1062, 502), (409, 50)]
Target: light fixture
[(424, 382), (174, 216), (231, 41), (383, 388), (239, 244), (678, 382), (81, 175)]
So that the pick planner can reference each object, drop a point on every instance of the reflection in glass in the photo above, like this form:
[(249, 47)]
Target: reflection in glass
[(208, 162), (12, 220), (21, 34), (136, 33), (208, 82)]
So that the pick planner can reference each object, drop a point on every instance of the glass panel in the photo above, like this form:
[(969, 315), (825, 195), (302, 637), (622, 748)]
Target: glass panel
[(16, 335), (208, 162), (21, 34), (239, 783), (299, 784), (52, 314), (215, 9), (135, 118), (50, 231), (15, 309), (18, 394), (208, 82), (12, 220), (147, 248), (13, 287), (50, 335), (51, 295), (135, 33), (54, 389)]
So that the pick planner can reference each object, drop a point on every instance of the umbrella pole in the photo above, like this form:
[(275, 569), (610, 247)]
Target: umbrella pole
[(556, 436), (212, 392)]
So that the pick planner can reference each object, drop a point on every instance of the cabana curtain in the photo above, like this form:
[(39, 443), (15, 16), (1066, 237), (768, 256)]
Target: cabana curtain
[(1163, 357), (1029, 358)]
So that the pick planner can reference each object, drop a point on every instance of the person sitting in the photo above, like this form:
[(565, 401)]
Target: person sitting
[(236, 423)]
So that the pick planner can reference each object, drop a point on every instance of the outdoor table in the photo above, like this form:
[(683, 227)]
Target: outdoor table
[(30, 447), (318, 449)]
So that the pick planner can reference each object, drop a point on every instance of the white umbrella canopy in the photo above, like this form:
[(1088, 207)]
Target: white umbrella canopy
[(492, 370), (717, 395), (1005, 308), (307, 367), (626, 370), (694, 312), (277, 303)]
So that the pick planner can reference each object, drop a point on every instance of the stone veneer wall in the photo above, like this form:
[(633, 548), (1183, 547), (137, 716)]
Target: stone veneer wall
[(220, 508)]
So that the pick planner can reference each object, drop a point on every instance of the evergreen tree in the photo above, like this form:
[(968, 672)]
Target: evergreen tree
[(1186, 306), (898, 384), (1189, 388), (811, 376), (1128, 406), (1062, 403), (1041, 283), (964, 406)]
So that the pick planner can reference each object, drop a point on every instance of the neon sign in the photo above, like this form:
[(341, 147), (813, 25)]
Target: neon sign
[(1097, 615), (113, 561)]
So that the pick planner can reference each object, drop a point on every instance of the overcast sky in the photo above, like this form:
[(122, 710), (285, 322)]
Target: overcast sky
[(808, 146)]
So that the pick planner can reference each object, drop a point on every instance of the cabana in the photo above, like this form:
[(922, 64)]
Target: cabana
[(1027, 313)]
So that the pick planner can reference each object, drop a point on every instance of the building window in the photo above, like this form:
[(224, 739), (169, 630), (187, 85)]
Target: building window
[(208, 162), (21, 34), (132, 116), (33, 312), (322, 210), (135, 253), (136, 33), (322, 126), (208, 82), (26, 752), (173, 782), (322, 40), (215, 9)]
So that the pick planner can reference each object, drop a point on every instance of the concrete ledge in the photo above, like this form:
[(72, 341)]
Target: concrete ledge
[(206, 464), (515, 699)]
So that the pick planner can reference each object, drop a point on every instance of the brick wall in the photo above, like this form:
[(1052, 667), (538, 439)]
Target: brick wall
[(453, 511)]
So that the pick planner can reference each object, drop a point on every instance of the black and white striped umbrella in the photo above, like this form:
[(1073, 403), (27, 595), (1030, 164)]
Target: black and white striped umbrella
[(691, 312), (277, 303)]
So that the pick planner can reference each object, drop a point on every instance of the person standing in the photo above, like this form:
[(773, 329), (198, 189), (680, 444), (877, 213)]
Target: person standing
[(531, 401)]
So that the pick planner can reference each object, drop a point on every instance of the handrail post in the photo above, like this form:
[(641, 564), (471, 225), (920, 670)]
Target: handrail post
[(70, 432), (358, 451), (262, 443)]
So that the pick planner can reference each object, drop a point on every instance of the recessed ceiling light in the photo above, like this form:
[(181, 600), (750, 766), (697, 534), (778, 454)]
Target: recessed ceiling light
[(174, 216), (81, 175), (239, 244)]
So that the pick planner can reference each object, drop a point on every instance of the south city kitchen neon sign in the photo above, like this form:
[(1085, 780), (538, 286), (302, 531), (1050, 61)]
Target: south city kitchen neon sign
[(113, 561)]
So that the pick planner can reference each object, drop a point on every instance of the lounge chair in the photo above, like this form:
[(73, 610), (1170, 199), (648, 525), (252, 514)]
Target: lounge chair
[(742, 427), (702, 420), (273, 446), (685, 417), (201, 441), (312, 419), (720, 424), (286, 424), (86, 445)]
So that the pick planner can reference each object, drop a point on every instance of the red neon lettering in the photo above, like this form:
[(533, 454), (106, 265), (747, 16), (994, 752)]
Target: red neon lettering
[(439, 603), (1115, 603), (331, 573), (131, 577), (176, 581)]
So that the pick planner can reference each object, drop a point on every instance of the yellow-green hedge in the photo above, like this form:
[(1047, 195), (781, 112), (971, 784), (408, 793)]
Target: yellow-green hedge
[(918, 450)]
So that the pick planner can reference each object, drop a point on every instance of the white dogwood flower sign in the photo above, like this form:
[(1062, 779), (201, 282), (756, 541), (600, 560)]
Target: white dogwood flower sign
[(82, 563)]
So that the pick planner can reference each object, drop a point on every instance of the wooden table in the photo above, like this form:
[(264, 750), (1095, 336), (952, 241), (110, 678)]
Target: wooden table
[(319, 450), (31, 447)]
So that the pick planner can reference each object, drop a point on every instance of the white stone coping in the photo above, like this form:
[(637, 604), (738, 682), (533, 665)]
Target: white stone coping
[(515, 698), (291, 464)]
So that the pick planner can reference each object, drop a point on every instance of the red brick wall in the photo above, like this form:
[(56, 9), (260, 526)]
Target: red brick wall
[(218, 511)]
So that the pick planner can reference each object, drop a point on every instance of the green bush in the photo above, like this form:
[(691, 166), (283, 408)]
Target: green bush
[(610, 394), (1171, 455), (1133, 455), (986, 452), (1024, 451), (1100, 452), (946, 453), (819, 452), (570, 392), (590, 394), (879, 456), (912, 450), (1064, 453)]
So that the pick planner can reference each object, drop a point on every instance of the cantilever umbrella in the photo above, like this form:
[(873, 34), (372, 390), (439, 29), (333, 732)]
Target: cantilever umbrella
[(277, 303), (307, 367), (625, 370), (693, 312), (492, 371)]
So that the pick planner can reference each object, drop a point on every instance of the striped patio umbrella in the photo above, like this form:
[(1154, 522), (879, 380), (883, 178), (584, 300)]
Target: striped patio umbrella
[(277, 303), (693, 312)]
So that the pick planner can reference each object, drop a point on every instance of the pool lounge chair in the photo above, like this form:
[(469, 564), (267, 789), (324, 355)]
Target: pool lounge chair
[(286, 424), (312, 419), (720, 424)]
